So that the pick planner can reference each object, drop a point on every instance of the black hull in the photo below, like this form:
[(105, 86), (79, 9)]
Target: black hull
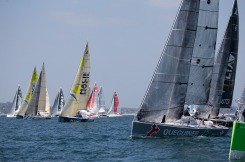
[(19, 117), (74, 119), (152, 130)]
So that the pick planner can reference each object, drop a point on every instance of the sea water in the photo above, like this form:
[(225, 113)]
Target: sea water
[(105, 139)]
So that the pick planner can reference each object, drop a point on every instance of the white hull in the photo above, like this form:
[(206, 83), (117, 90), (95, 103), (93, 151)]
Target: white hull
[(114, 115)]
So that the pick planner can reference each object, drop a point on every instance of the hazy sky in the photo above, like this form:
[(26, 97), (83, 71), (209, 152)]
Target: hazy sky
[(126, 38)]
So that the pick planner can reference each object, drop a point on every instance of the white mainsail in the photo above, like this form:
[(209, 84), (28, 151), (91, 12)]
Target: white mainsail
[(39, 103), (72, 102), (29, 93), (101, 102), (16, 102)]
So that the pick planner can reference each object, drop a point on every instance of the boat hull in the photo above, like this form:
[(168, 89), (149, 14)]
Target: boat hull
[(36, 117), (74, 119), (226, 123), (152, 130), (19, 117)]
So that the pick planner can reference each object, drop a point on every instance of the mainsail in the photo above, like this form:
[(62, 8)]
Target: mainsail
[(101, 101), (72, 102), (39, 102), (84, 92), (16, 102), (183, 75), (231, 47), (223, 77), (29, 93), (114, 104), (59, 103), (92, 105)]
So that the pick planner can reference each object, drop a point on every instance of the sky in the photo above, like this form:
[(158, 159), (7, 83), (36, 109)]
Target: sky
[(125, 37)]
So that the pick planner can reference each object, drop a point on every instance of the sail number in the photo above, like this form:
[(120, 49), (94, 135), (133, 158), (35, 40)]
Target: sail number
[(225, 101), (84, 85)]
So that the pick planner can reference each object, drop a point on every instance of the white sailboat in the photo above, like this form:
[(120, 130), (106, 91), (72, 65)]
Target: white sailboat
[(59, 103), (101, 103), (113, 111), (182, 76), (39, 106), (16, 103), (70, 111), (21, 112)]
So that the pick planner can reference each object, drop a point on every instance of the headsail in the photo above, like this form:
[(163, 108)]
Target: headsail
[(231, 47), (39, 102), (84, 92), (29, 92), (72, 102), (16, 102)]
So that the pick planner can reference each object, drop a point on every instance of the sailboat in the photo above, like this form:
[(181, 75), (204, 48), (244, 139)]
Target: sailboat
[(113, 111), (16, 103), (59, 103), (101, 103), (92, 105), (182, 76), (21, 112), (39, 106), (223, 79), (70, 111)]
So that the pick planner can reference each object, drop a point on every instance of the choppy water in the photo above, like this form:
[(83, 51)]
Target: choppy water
[(106, 139)]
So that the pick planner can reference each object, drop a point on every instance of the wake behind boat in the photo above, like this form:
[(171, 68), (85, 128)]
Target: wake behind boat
[(73, 108), (182, 76)]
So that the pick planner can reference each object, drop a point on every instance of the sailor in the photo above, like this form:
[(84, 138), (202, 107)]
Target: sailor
[(186, 112), (243, 114)]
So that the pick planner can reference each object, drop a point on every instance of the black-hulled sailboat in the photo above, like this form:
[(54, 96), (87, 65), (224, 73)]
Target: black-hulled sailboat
[(183, 75)]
